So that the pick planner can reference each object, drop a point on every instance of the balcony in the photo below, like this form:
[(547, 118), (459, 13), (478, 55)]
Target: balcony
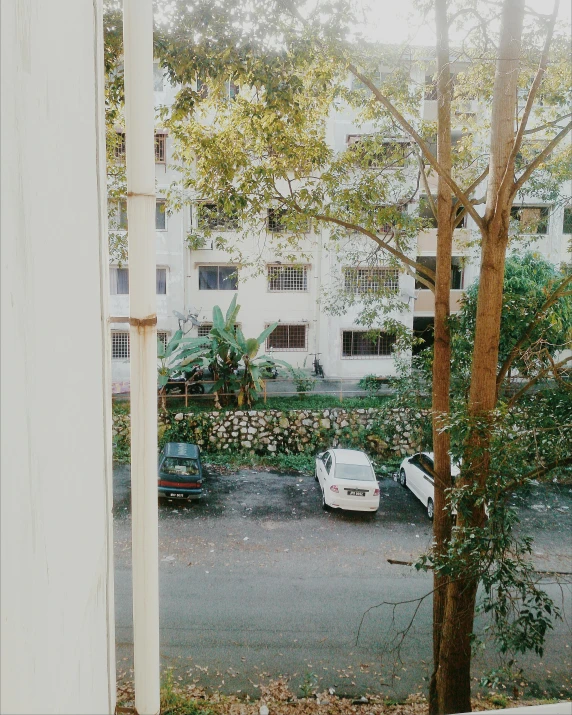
[(427, 241), (425, 302)]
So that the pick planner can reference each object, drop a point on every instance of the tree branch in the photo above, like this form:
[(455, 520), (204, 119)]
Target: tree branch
[(556, 294), (421, 143), (535, 84), (426, 186), (539, 159), (553, 367), (548, 124)]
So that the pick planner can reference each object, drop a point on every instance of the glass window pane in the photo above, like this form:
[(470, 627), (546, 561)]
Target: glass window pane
[(208, 277), (122, 281), (227, 277), (160, 216), (161, 279), (567, 222)]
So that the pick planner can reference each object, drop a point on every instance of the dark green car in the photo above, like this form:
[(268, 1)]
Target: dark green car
[(180, 471)]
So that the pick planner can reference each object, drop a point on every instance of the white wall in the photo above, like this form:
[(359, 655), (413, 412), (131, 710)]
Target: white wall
[(56, 581)]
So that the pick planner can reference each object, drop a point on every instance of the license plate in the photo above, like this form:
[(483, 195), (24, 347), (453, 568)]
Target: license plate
[(176, 495), (355, 493)]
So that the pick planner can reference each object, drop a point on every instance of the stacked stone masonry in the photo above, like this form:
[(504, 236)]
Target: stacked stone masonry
[(382, 431)]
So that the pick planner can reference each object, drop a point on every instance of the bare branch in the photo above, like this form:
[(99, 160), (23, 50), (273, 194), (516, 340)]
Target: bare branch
[(548, 124), (553, 367), (421, 143), (536, 83), (426, 186), (539, 159)]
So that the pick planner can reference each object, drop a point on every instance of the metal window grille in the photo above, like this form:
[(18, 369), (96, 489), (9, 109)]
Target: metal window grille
[(275, 220), (362, 343), (119, 345), (160, 148), (371, 280), (163, 337), (212, 217), (119, 148), (287, 337), (204, 329), (287, 278)]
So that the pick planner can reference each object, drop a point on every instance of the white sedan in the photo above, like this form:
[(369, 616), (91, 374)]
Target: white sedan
[(416, 473), (347, 480)]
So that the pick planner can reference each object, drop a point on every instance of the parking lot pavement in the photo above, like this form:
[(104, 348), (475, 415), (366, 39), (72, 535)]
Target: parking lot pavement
[(256, 578)]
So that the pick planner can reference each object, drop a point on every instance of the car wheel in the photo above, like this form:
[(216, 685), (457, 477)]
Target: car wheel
[(402, 477), (430, 509)]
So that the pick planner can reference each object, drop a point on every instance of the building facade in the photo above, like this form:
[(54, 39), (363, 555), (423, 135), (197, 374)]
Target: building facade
[(291, 292)]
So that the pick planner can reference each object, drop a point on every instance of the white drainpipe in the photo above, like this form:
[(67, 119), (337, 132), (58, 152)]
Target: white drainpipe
[(140, 165)]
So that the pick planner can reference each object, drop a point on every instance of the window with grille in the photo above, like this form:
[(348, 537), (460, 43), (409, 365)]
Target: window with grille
[(532, 219), (567, 221), (218, 278), (160, 148), (161, 281), (160, 215), (214, 218), (287, 337), (371, 152), (371, 280), (163, 337), (204, 329), (119, 148), (275, 220), (287, 278), (363, 343), (119, 345), (119, 281)]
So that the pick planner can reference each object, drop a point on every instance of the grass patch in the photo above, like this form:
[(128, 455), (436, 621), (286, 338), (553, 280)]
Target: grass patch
[(175, 702), (308, 402)]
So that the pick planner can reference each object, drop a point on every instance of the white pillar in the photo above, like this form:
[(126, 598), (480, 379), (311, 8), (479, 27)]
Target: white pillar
[(140, 164)]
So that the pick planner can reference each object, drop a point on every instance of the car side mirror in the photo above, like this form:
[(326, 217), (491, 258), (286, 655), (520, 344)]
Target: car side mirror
[(320, 455)]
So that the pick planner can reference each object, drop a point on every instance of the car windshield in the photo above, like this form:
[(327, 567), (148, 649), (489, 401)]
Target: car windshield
[(357, 472), (180, 465)]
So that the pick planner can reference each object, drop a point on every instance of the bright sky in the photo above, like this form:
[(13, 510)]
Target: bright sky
[(397, 21)]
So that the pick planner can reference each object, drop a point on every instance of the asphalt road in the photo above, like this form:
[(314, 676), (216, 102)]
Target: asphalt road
[(257, 581)]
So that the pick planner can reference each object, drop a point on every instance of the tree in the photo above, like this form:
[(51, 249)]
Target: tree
[(268, 148)]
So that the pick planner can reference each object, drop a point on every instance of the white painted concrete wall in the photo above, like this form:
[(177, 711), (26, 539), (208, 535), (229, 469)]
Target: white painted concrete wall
[(57, 578)]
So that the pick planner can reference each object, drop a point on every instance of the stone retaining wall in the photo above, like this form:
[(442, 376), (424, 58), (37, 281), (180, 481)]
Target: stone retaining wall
[(383, 431)]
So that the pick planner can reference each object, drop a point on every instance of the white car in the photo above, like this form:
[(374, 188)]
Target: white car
[(347, 480), (416, 473)]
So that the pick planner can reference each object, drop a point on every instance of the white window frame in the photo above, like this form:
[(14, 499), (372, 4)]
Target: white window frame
[(218, 266), (113, 279), (160, 146)]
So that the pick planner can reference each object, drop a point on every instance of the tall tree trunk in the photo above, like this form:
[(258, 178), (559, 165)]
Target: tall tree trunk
[(442, 346), (453, 676)]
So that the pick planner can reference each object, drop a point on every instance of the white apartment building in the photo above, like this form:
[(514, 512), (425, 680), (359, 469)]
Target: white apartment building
[(291, 293)]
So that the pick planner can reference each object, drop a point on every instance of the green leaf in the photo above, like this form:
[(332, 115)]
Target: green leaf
[(265, 333)]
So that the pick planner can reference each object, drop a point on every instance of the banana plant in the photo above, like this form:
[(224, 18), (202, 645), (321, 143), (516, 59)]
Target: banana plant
[(232, 350), (179, 355)]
